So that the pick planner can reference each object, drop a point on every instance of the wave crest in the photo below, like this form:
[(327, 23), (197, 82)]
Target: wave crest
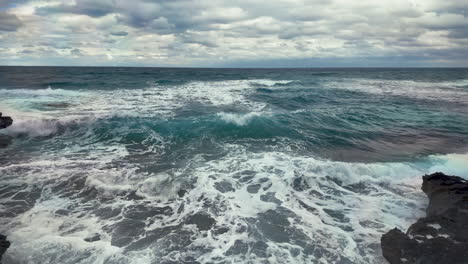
[(238, 119)]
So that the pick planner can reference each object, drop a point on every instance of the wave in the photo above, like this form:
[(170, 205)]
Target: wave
[(40, 92), (434, 91), (269, 82), (45, 127), (460, 83), (239, 119), (42, 124), (338, 208)]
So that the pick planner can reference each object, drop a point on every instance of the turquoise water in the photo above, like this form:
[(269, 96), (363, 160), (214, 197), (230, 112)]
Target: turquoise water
[(154, 165)]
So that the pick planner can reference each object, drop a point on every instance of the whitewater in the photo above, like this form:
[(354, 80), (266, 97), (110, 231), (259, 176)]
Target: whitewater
[(157, 165)]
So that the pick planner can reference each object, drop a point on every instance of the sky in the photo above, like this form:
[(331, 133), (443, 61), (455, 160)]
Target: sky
[(236, 33)]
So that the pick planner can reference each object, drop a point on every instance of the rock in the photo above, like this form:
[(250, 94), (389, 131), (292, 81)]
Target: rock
[(440, 237), (4, 245), (5, 121)]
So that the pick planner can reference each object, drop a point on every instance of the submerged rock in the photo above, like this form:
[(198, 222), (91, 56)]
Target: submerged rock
[(440, 237), (5, 121), (4, 245)]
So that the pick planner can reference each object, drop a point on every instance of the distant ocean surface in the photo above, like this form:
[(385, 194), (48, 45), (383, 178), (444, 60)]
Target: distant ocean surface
[(161, 165)]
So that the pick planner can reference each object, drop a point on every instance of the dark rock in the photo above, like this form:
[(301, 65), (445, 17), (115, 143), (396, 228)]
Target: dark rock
[(440, 237), (5, 121), (4, 245)]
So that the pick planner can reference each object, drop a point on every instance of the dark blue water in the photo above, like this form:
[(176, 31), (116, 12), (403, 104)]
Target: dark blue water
[(159, 165)]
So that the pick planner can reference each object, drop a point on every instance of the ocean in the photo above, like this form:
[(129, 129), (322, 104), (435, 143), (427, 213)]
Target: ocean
[(172, 165)]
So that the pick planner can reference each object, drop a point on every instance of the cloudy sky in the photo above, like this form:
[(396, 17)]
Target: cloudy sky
[(246, 33)]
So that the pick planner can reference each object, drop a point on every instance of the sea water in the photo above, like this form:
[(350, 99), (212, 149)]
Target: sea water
[(161, 165)]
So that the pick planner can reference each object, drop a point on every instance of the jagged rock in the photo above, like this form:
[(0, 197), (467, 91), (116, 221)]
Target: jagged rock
[(5, 121), (4, 245), (442, 236)]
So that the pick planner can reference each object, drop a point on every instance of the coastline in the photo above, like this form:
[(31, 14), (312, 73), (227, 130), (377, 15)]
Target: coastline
[(439, 237)]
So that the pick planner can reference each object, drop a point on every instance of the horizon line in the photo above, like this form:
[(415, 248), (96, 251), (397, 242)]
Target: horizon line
[(194, 67)]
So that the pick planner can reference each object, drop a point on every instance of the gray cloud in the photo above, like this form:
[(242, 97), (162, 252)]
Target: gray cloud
[(76, 52), (205, 32), (9, 22), (11, 3), (119, 33)]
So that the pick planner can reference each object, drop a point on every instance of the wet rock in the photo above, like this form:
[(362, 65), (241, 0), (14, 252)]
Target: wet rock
[(5, 121), (4, 245), (441, 236)]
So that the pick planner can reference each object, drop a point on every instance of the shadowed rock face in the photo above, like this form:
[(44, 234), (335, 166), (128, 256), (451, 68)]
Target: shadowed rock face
[(4, 245), (442, 236), (5, 121)]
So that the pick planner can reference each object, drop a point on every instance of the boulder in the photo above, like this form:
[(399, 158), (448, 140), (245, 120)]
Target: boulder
[(4, 245), (5, 121), (442, 236)]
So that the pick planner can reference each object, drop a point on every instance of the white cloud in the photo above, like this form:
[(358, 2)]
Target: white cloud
[(204, 33)]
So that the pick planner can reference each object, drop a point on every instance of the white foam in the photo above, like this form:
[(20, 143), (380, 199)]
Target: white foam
[(39, 92), (445, 91), (391, 198), (268, 82), (51, 238), (394, 198), (451, 164), (41, 127), (161, 101), (435, 226), (239, 119), (370, 197)]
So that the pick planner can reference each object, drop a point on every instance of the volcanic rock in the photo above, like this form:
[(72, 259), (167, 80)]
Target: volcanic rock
[(442, 236), (5, 121), (4, 245)]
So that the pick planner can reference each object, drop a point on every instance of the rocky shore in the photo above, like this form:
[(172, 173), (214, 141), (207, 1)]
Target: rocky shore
[(442, 236), (5, 121), (4, 245)]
